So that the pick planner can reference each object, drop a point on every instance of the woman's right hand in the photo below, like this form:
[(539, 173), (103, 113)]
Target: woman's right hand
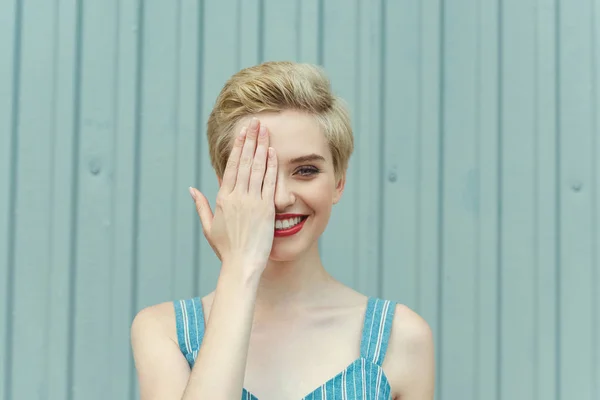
[(242, 228)]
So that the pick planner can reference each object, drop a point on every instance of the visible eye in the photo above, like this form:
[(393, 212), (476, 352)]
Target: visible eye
[(308, 171)]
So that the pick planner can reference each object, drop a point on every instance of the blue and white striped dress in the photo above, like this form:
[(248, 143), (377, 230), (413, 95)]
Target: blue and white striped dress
[(364, 379)]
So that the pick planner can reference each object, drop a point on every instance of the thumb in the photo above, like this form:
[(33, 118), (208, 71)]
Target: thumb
[(203, 209)]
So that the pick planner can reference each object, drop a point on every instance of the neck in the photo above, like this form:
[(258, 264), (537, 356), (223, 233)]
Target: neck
[(285, 283)]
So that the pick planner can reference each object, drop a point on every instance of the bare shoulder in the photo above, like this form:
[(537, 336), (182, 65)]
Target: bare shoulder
[(153, 320), (410, 359), (162, 370), (408, 326)]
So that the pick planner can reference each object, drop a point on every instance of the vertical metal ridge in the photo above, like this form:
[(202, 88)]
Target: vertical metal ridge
[(320, 33), (74, 196), (381, 166), (136, 170), (595, 207), (176, 137), (239, 34), (200, 136), (261, 31), (440, 199), (536, 199), (115, 132), (500, 191), (12, 202), (115, 115), (356, 193), (298, 29), (477, 223), (47, 363), (557, 189), (419, 162)]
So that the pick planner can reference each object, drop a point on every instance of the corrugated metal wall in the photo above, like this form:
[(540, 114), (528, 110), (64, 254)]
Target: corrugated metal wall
[(472, 197)]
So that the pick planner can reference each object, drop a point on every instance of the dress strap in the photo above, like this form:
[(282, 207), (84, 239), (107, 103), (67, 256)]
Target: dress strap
[(189, 320), (376, 330)]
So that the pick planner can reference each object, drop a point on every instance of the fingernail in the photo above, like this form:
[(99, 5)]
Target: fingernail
[(243, 132), (254, 123), (192, 193), (262, 131)]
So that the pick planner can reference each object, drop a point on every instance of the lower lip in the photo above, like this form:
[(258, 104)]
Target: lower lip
[(290, 231)]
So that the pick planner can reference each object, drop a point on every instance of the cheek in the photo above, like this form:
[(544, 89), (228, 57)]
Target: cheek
[(320, 196)]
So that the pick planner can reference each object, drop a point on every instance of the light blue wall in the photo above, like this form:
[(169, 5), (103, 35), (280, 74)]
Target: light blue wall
[(472, 196)]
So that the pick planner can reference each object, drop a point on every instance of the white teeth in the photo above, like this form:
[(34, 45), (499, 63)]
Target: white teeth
[(287, 223)]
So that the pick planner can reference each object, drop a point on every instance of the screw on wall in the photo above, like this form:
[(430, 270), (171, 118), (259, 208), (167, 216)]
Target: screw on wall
[(94, 167), (392, 174)]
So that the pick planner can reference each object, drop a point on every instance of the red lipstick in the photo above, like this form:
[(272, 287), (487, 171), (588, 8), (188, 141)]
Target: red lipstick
[(291, 230)]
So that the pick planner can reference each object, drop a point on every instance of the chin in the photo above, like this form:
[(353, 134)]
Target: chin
[(286, 252), (291, 248)]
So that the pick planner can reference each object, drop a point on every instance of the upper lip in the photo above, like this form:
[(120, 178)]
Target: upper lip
[(288, 216)]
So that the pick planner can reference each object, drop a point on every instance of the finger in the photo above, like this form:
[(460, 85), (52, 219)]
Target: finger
[(245, 165), (268, 190), (203, 209), (260, 161), (231, 169)]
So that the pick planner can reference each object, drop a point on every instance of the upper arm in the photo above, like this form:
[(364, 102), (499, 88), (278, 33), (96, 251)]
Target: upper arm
[(162, 369), (411, 356)]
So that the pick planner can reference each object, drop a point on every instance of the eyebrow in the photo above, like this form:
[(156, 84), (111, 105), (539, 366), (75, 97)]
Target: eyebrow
[(307, 158)]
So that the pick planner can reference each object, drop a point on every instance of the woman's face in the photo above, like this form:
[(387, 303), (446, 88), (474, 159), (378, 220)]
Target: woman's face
[(306, 186)]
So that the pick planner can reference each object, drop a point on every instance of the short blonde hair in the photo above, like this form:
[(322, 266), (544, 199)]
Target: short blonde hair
[(275, 87)]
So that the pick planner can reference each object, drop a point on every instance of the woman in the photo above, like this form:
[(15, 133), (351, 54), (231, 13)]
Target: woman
[(278, 326)]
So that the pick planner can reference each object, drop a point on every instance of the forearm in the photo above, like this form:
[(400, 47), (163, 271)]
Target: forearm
[(220, 366)]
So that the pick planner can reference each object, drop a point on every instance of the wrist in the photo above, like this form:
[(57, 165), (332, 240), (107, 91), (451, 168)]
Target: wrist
[(240, 272)]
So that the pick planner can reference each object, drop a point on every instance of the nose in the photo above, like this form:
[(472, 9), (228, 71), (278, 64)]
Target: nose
[(284, 196)]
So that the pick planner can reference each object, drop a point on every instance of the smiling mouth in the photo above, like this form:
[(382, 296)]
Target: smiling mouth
[(289, 225)]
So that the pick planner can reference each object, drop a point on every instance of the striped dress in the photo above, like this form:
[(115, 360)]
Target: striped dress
[(363, 379)]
